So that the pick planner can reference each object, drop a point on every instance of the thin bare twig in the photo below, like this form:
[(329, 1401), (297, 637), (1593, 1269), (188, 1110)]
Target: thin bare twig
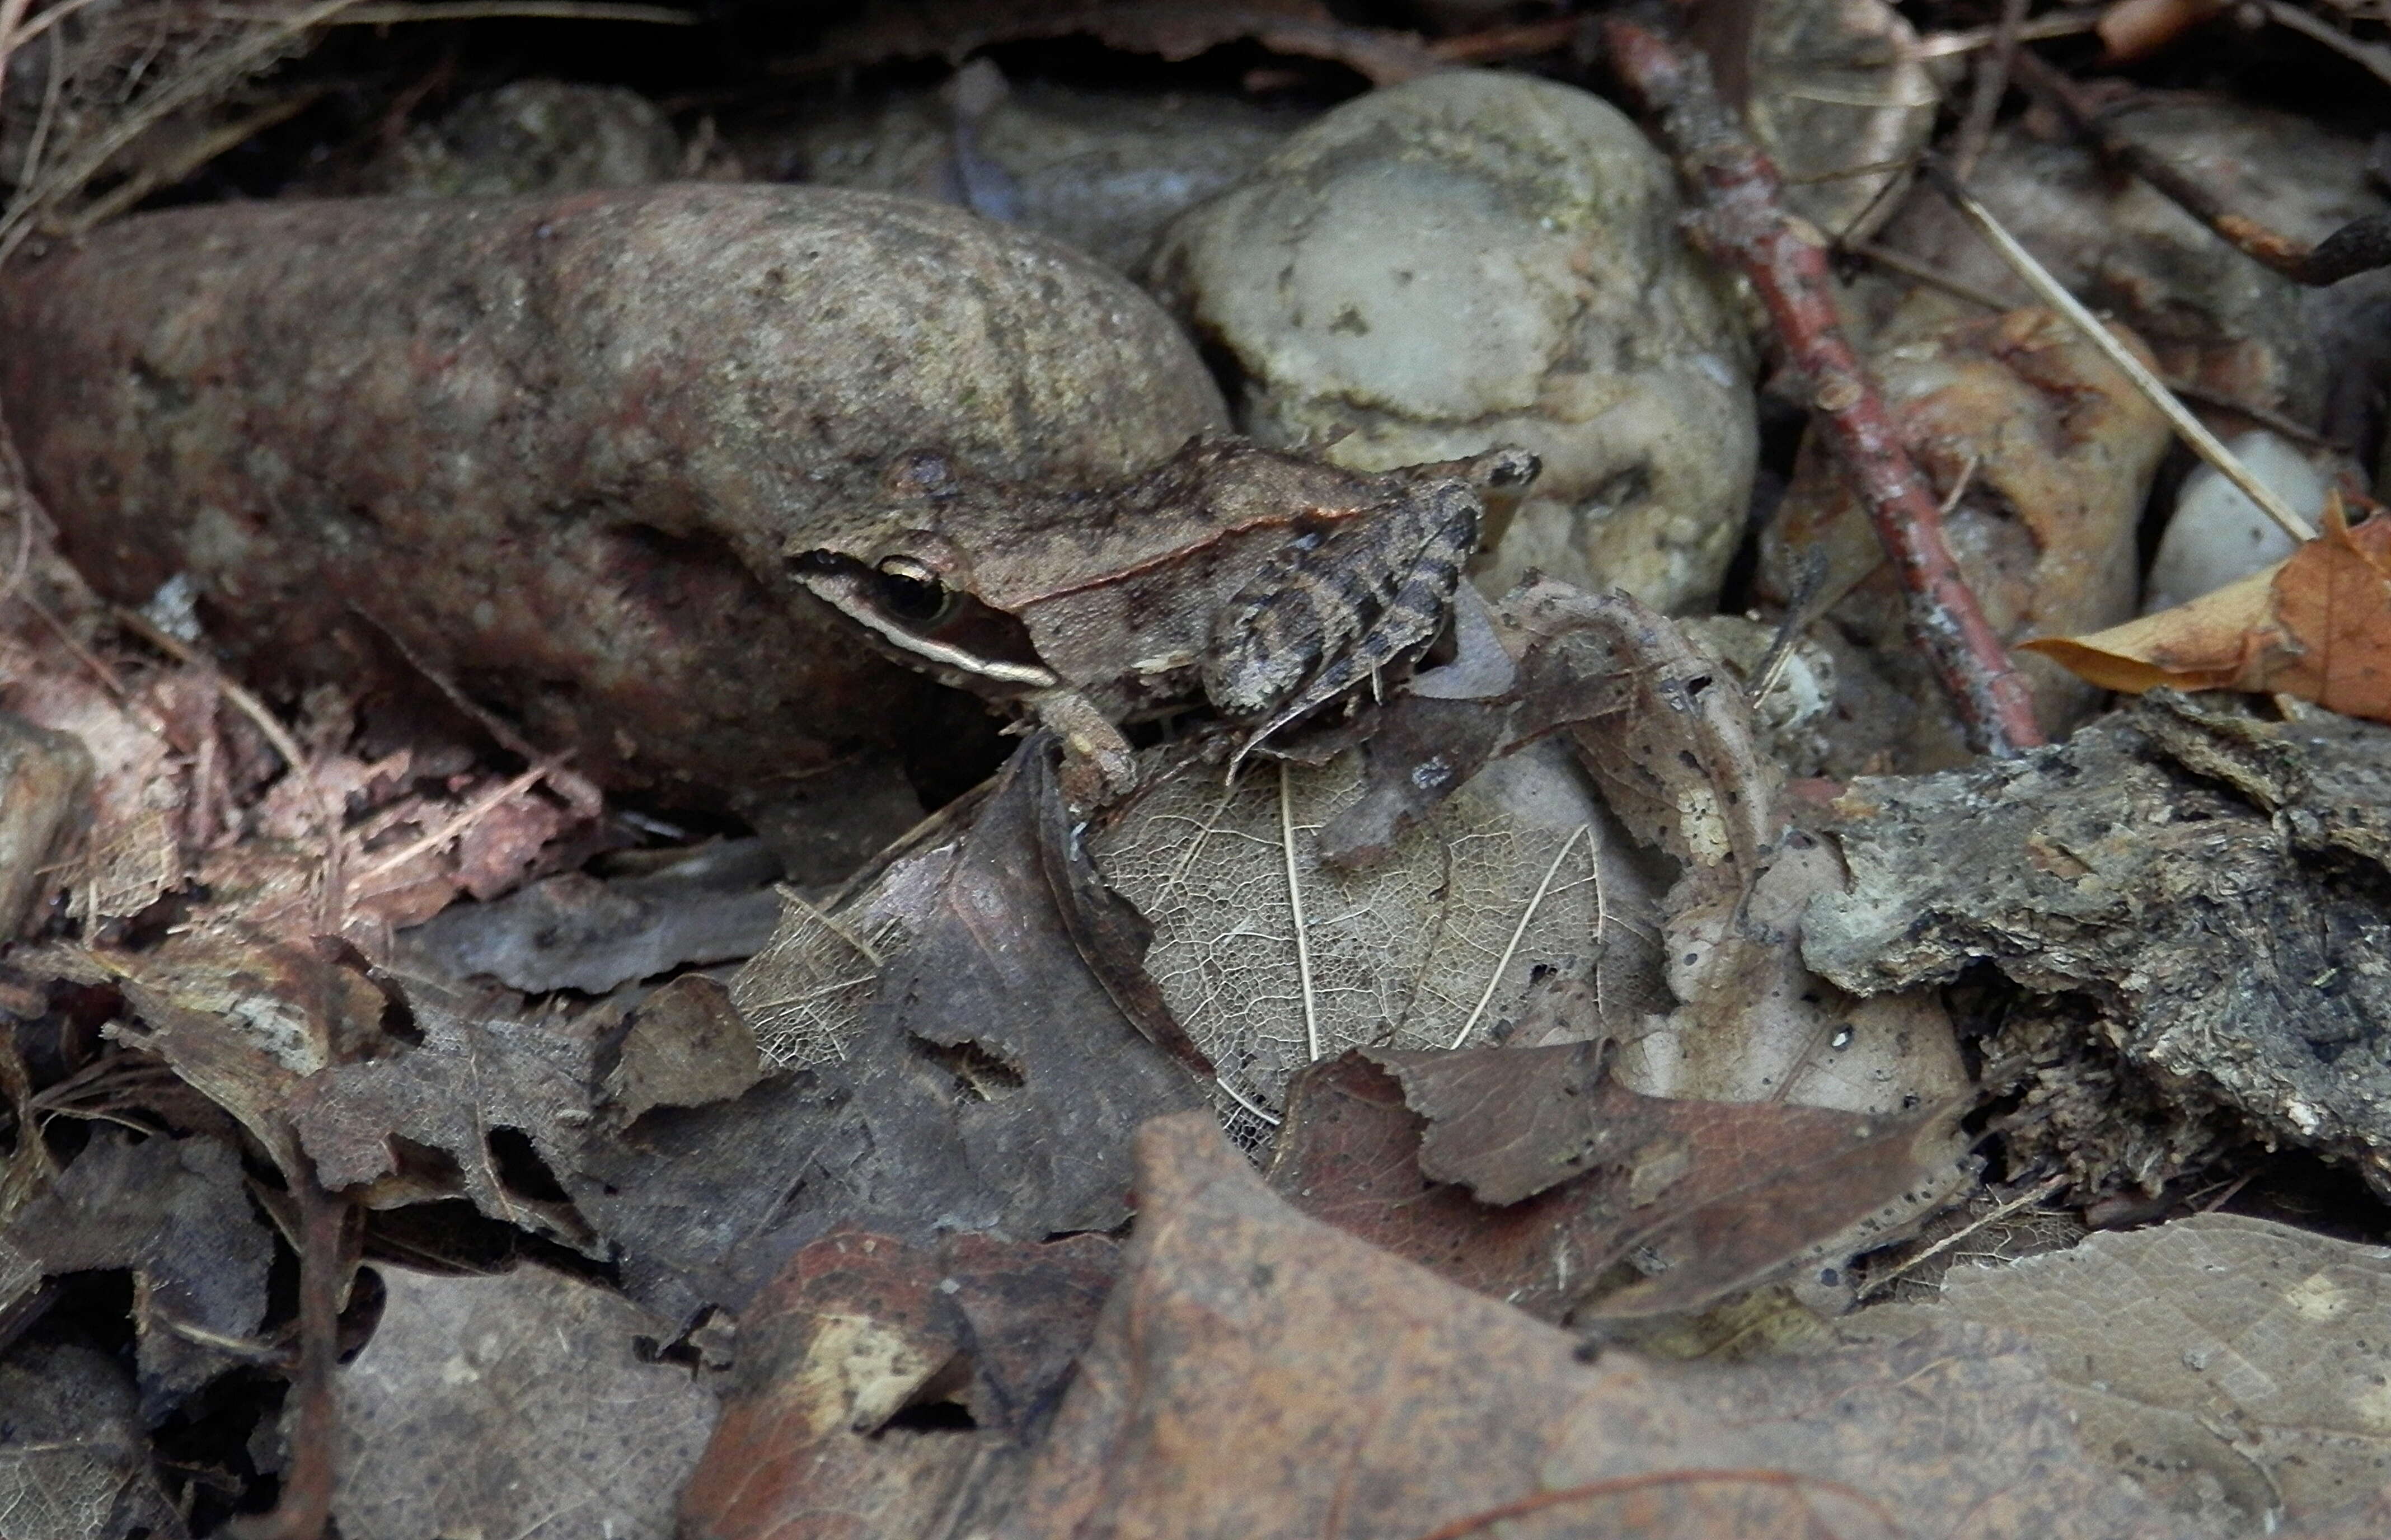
[(466, 817), (2358, 247), (2030, 1195), (1539, 1502), (2054, 293), (479, 11), (307, 1503), (1522, 40), (2042, 27), (1935, 277), (1991, 82), (1744, 218), (2375, 58)]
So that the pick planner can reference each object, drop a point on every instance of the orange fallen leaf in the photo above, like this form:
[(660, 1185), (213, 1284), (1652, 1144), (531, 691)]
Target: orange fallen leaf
[(2315, 625), (2135, 28)]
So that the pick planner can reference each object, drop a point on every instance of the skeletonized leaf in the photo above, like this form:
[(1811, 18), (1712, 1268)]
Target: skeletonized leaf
[(1272, 957)]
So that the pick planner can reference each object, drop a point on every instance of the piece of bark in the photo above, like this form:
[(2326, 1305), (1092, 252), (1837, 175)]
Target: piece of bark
[(2196, 891)]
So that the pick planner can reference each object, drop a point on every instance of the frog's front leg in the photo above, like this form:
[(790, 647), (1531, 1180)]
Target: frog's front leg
[(1098, 767)]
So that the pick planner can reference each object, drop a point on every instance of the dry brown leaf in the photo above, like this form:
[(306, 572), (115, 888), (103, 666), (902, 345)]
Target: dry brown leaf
[(1525, 1174), (975, 1337), (242, 1020), (140, 792), (73, 1463), (1259, 1372), (1272, 958), (2135, 28), (983, 1078), (683, 1045), (175, 1214), (574, 931), (2216, 1353), (478, 1090), (2317, 625), (44, 800)]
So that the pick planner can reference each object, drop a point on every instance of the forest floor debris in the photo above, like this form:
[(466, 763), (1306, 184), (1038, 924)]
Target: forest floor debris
[(461, 1068)]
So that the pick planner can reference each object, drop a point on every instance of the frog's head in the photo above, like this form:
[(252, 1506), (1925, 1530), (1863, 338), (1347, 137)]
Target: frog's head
[(907, 582)]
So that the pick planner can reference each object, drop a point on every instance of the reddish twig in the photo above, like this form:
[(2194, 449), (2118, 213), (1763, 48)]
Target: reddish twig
[(2358, 247), (1538, 1502), (1521, 40), (1743, 215)]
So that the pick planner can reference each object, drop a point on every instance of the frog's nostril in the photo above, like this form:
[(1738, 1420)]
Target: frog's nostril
[(1514, 470)]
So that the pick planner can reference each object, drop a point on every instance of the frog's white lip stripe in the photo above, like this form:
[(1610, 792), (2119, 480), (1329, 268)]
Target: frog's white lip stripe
[(840, 590)]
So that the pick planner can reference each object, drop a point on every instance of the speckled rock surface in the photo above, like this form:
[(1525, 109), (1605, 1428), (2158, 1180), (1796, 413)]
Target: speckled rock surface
[(1476, 259), (556, 447), (1835, 87), (2200, 894), (1102, 172), (532, 136)]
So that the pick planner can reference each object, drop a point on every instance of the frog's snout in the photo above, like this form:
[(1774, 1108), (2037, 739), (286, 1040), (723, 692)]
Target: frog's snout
[(1509, 469)]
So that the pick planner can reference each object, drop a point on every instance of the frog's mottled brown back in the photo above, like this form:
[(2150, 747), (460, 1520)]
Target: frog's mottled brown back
[(1267, 582)]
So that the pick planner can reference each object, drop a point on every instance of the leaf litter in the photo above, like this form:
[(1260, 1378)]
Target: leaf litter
[(2232, 1363), (1525, 965)]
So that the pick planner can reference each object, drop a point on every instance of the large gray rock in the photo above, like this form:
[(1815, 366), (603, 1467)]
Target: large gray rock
[(1476, 259)]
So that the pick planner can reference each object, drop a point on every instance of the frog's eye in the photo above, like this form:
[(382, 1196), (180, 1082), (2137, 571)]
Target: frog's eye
[(912, 590)]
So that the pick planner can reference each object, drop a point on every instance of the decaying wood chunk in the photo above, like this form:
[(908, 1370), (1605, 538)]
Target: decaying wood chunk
[(2197, 891)]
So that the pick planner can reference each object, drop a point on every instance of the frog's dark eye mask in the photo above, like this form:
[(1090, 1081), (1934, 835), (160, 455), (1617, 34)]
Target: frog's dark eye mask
[(906, 605)]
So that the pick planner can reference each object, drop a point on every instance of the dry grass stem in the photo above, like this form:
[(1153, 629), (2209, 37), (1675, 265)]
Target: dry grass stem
[(2041, 29), (471, 814), (200, 84), (1295, 912), (2189, 427), (165, 173), (484, 10), (2375, 58), (2023, 1200)]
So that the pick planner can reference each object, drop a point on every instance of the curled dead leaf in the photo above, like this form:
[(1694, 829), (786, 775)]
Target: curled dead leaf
[(2317, 625)]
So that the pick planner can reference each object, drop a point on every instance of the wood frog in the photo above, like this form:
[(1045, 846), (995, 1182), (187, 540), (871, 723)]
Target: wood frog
[(1264, 582)]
